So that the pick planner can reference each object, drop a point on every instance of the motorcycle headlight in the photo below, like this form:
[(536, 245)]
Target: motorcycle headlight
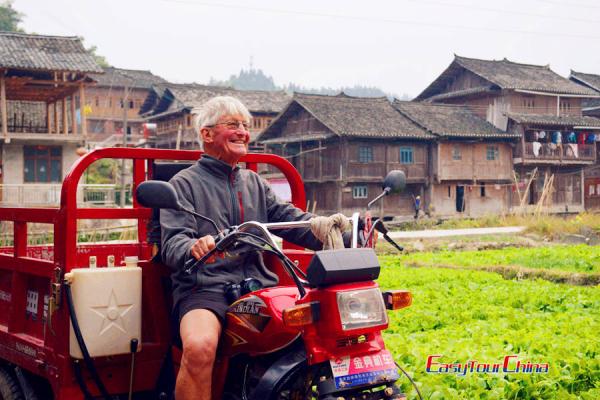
[(361, 308)]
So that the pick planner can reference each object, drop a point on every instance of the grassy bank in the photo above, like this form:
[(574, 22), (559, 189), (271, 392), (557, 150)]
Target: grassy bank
[(550, 226)]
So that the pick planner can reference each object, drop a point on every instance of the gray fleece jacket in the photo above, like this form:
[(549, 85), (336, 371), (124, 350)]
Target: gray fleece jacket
[(229, 196)]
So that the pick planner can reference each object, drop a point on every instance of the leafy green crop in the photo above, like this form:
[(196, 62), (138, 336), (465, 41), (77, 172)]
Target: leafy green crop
[(580, 258), (473, 315)]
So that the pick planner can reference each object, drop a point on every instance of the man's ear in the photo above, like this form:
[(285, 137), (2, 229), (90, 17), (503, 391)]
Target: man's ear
[(206, 135)]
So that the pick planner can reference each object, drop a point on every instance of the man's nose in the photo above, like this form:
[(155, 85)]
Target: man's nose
[(242, 134)]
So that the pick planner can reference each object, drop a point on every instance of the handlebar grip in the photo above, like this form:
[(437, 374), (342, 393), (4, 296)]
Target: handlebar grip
[(192, 262)]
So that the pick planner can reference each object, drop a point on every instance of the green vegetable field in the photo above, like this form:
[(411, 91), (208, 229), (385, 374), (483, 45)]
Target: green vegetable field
[(581, 258), (465, 315)]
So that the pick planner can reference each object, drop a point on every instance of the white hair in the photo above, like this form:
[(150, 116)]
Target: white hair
[(209, 113)]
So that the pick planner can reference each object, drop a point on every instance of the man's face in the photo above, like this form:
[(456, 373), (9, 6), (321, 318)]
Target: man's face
[(227, 140)]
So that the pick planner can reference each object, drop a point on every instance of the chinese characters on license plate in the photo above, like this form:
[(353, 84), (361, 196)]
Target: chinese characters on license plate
[(363, 370)]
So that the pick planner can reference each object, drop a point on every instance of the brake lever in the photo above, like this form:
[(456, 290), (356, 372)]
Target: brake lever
[(380, 226), (392, 242), (193, 263)]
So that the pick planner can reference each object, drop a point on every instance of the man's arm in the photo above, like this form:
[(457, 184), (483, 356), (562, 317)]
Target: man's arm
[(280, 211), (179, 230)]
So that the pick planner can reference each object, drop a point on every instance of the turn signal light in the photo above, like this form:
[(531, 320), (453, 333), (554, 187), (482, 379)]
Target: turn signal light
[(397, 299), (303, 314)]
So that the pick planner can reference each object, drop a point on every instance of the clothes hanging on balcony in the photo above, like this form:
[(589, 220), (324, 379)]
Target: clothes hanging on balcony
[(556, 137), (536, 148), (542, 135), (574, 149), (581, 138), (591, 138), (571, 137)]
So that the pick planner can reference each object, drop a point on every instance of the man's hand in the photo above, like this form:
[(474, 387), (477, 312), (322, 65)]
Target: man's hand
[(203, 246)]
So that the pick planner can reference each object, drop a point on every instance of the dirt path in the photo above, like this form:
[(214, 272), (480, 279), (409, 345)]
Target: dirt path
[(437, 233)]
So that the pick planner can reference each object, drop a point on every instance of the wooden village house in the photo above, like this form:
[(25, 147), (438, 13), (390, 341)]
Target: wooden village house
[(43, 82), (169, 107), (591, 108), (343, 147), (543, 108), (117, 94), (470, 162)]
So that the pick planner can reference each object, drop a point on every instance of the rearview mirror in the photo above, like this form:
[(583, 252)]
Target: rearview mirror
[(394, 182), (157, 194)]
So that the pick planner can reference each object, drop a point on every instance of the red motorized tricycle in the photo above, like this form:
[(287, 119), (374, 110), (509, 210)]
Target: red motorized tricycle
[(75, 325)]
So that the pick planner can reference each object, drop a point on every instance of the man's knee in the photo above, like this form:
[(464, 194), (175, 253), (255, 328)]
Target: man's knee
[(199, 351), (200, 330)]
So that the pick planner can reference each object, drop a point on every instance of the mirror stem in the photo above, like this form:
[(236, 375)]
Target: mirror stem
[(202, 217), (385, 192)]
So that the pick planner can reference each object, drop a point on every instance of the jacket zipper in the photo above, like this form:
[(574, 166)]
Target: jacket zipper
[(234, 205)]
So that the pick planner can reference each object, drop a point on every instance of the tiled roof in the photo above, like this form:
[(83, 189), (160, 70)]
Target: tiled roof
[(506, 74), (591, 80), (462, 93), (450, 120), (552, 120), (48, 53), (179, 96), (351, 116), (117, 77)]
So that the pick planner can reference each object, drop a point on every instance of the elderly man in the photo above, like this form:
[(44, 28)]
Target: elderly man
[(217, 188)]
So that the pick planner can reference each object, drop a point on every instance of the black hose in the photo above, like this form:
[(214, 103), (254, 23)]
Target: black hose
[(80, 381), (86, 355), (410, 379)]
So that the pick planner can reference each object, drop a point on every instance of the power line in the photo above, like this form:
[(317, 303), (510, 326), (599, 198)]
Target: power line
[(498, 10), (374, 19), (569, 4)]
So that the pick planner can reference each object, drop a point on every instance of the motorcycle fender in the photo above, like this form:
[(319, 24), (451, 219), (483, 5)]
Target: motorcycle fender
[(279, 373)]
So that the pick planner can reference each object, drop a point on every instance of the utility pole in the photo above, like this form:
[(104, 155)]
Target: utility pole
[(125, 96)]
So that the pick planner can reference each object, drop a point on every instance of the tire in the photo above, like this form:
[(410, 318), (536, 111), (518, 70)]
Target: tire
[(298, 386), (9, 386)]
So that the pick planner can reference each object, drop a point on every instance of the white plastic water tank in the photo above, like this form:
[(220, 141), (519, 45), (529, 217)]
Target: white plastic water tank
[(108, 304)]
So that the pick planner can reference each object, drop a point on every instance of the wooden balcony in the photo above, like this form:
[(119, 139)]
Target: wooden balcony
[(545, 153), (43, 137), (377, 170)]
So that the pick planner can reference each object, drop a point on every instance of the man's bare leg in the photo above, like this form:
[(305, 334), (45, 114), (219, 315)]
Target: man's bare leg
[(200, 331)]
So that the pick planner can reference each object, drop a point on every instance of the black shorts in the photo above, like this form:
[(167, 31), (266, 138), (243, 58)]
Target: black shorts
[(212, 301)]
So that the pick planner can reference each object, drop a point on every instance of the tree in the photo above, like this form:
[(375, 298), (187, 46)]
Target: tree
[(9, 17), (100, 60)]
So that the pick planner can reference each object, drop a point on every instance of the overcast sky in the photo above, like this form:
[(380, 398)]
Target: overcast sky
[(399, 46)]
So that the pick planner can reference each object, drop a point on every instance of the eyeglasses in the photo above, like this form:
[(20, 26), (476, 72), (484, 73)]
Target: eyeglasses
[(234, 125)]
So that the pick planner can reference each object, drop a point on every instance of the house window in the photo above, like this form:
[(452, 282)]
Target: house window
[(565, 106), (131, 104), (122, 103), (482, 190), (528, 102), (456, 153), (406, 155), (449, 191), (359, 192), (492, 153), (97, 102), (42, 163), (365, 154)]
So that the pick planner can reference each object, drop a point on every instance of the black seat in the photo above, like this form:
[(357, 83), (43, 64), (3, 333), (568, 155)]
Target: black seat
[(162, 171)]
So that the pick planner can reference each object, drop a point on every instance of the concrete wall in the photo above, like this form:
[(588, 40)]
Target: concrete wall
[(495, 201), (13, 163)]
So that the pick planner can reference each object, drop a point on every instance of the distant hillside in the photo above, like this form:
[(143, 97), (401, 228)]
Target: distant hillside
[(256, 79)]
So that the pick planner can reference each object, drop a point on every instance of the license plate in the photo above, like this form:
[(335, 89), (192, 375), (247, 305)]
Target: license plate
[(375, 368)]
